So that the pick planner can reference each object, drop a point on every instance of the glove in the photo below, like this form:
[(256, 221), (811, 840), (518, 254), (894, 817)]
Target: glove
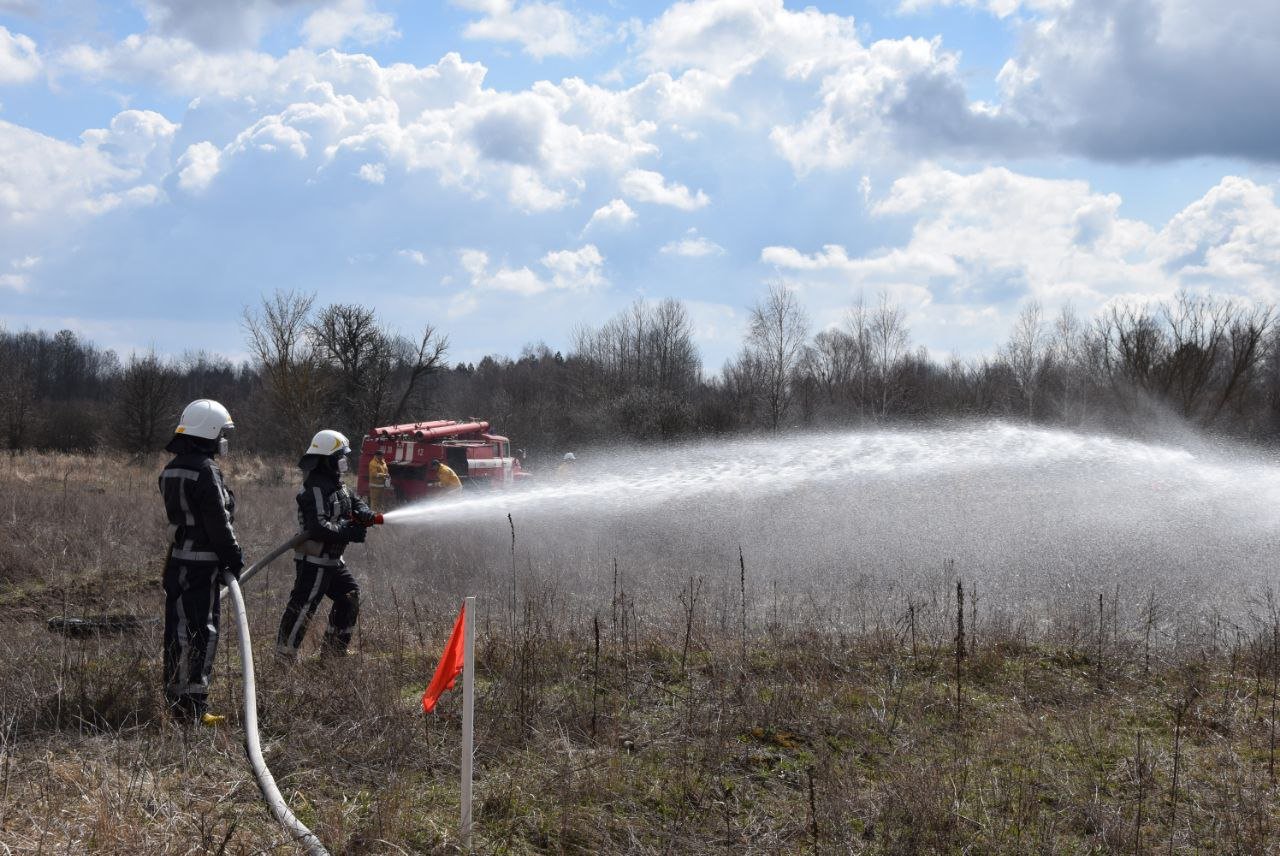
[(353, 533), (235, 566), (364, 518)]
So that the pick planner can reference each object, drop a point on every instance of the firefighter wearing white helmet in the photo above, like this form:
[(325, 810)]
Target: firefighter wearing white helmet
[(332, 516), (202, 544)]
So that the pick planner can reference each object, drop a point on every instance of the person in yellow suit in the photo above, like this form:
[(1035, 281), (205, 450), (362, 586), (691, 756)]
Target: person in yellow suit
[(446, 479), (379, 483)]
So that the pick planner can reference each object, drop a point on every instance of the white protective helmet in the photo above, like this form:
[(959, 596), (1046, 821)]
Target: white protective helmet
[(205, 418), (570, 456), (328, 442)]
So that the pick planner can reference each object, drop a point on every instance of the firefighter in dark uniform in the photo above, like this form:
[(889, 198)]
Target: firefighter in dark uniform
[(202, 545), (332, 516)]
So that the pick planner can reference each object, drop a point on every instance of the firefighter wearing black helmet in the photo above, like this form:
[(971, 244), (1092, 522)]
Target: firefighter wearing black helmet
[(202, 544), (332, 517)]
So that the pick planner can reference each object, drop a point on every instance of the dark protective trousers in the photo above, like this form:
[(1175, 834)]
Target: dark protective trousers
[(191, 613), (311, 584)]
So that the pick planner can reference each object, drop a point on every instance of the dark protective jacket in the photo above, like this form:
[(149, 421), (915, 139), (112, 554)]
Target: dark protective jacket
[(201, 509), (325, 509)]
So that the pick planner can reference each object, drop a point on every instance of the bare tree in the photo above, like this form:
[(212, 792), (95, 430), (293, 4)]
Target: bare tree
[(776, 337), (359, 359), (1199, 354), (147, 403), (1245, 358), (858, 325), (887, 339), (417, 363), (677, 367), (1133, 350), (1069, 352), (744, 385), (646, 345), (832, 361), (639, 370), (291, 368), (1027, 352), (1196, 328)]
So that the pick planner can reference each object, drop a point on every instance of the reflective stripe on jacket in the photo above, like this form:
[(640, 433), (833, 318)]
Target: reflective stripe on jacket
[(324, 504), (201, 511)]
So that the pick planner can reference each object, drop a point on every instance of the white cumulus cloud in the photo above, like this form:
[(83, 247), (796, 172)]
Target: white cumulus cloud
[(693, 246), (983, 242), (348, 21), (541, 29), (138, 140), (42, 178), (728, 38), (19, 60), (374, 173), (536, 148), (198, 166), (567, 270), (826, 99), (575, 270), (520, 280), (645, 185), (615, 214)]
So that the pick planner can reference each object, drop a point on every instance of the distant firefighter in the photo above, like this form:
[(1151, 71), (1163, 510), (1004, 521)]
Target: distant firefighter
[(380, 493), (567, 465), (332, 516), (446, 478), (202, 544)]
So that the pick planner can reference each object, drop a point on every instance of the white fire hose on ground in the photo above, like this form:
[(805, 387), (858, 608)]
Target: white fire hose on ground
[(303, 836)]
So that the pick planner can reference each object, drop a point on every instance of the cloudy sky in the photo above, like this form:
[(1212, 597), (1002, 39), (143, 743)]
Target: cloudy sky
[(509, 170)]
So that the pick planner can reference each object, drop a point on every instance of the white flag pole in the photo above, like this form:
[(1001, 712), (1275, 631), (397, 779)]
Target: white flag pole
[(468, 713)]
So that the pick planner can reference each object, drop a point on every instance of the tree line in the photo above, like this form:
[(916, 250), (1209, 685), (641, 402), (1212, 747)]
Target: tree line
[(1204, 360)]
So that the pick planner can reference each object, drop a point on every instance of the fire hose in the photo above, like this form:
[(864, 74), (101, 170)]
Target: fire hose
[(252, 743)]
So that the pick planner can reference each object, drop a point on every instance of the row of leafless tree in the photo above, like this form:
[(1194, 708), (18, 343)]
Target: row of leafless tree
[(337, 365), (1209, 361)]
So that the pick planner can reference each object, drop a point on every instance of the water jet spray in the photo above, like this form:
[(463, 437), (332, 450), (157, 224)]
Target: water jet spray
[(1036, 516)]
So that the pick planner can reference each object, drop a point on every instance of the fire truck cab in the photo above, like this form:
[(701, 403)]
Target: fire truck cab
[(482, 460)]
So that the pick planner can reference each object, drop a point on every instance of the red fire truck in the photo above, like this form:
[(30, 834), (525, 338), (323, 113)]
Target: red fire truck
[(482, 460)]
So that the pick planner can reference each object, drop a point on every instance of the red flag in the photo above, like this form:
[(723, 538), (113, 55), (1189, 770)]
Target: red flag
[(450, 664)]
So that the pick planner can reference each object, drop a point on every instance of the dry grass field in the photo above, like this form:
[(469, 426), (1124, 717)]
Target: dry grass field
[(661, 721)]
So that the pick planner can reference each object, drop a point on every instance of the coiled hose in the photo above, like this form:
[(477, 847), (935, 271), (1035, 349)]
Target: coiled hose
[(252, 745)]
